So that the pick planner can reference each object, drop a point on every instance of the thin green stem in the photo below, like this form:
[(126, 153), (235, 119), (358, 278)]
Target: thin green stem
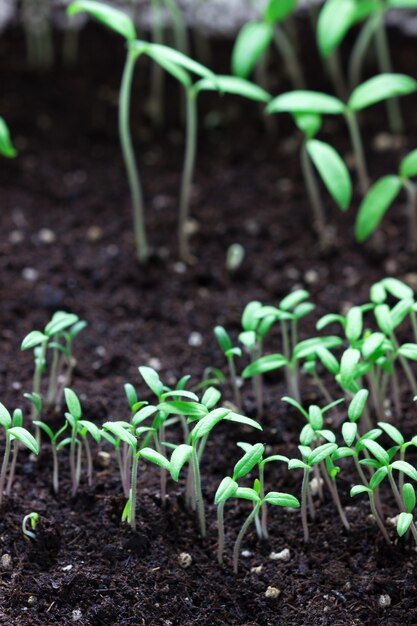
[(12, 467), (220, 528), (304, 489), (133, 494), (187, 173), (385, 65), (4, 466), (378, 519), (315, 198), (286, 49), (55, 470), (357, 145), (242, 533), (199, 494), (233, 380), (362, 44), (129, 158), (53, 375), (411, 191)]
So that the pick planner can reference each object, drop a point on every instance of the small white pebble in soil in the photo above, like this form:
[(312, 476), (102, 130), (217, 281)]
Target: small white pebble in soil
[(257, 570), (391, 266), (252, 227), (272, 592), (180, 267), (311, 277), (47, 236), (15, 237), (185, 560), (76, 615), (195, 340), (192, 227), (246, 554), (16, 385), (101, 351), (293, 273), (314, 486), (112, 250), (32, 600), (103, 458), (384, 601), (30, 274), (94, 233), (155, 364), (67, 568), (283, 555), (6, 562)]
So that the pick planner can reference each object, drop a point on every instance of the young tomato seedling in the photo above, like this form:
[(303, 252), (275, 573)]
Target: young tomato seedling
[(6, 147)]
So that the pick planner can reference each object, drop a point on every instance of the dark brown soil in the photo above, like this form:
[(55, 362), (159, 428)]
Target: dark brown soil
[(69, 178)]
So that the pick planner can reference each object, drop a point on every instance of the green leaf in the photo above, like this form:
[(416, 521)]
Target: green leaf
[(207, 423), (400, 311), (408, 166), (73, 403), (335, 19), (46, 429), (92, 429), (409, 351), (245, 493), (378, 451), (328, 360), (342, 453), (403, 523), (315, 417), (151, 378), (402, 4), (264, 364), (234, 85), (372, 344), (211, 397), (383, 318), (6, 146), (248, 461), (349, 361), (297, 464), (330, 318), (225, 490), (223, 339), (357, 405), (282, 499), (251, 43), (392, 432), (278, 10), (308, 123), (296, 405), (307, 435), (242, 419), (303, 101), (409, 497), (131, 394), (377, 293), (397, 288), (112, 18), (275, 457), (180, 393), (121, 432), (290, 302), (319, 454), (179, 458), (310, 346), (61, 320), (378, 477), (375, 204), (25, 438), (349, 431), (358, 489), (35, 399), (5, 417), (177, 72), (177, 407), (381, 88), (155, 457), (33, 339), (250, 319), (406, 468), (354, 324)]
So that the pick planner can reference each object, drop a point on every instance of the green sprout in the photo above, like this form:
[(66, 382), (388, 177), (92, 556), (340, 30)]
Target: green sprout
[(406, 518), (79, 429), (15, 434), (192, 451), (310, 459), (56, 445), (30, 519), (254, 456), (331, 169), (57, 337), (381, 197), (257, 36), (337, 17), (228, 489), (6, 147), (372, 91), (170, 60)]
